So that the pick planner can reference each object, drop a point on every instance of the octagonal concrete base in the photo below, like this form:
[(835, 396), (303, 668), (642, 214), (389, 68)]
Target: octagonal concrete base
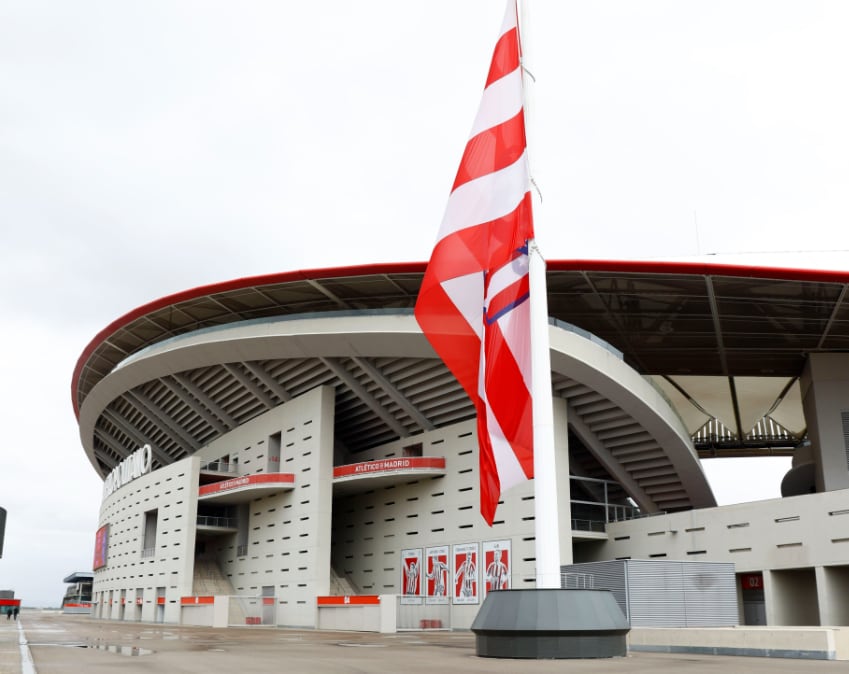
[(547, 624)]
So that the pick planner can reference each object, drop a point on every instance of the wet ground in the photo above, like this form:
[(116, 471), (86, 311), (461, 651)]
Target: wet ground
[(61, 644)]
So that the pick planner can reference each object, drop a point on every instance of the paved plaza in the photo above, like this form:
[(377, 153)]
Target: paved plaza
[(58, 644)]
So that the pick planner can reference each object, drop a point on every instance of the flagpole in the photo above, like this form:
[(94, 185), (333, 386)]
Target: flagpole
[(546, 517)]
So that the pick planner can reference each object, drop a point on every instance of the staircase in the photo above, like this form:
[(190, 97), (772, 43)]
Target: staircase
[(341, 586), (208, 580)]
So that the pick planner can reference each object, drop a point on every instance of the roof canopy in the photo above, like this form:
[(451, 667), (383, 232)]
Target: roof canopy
[(725, 343)]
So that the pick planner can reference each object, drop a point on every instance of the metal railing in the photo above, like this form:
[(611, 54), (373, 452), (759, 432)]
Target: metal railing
[(596, 511), (218, 466), (222, 522), (577, 581)]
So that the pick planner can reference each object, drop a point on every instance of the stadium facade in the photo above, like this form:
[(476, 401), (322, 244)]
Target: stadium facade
[(293, 440)]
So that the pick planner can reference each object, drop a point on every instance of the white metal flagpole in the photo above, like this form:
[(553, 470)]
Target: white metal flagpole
[(546, 519)]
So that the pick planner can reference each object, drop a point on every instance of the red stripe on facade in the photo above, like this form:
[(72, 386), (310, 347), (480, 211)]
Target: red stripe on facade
[(192, 601), (284, 479), (353, 600)]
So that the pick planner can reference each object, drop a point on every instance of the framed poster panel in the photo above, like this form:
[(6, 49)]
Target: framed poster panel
[(496, 566), (411, 576), (101, 547), (464, 557), (437, 575)]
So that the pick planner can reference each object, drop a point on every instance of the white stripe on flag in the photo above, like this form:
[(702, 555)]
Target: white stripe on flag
[(502, 100), (506, 276), (466, 293), (486, 198), (514, 327), (508, 468)]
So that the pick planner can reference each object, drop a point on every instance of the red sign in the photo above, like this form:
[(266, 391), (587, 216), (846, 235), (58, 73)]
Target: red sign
[(286, 479), (191, 601), (349, 600), (389, 465), (752, 581)]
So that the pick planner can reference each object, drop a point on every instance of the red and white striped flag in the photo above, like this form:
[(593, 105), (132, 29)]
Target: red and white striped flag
[(474, 305)]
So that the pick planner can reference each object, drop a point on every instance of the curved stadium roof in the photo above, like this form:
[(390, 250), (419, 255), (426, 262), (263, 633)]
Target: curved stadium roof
[(726, 344)]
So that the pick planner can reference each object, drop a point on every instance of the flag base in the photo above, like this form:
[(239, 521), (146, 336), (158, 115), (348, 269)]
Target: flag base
[(550, 624)]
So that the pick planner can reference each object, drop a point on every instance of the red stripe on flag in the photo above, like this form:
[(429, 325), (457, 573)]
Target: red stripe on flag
[(508, 298), (492, 149), (505, 58), (509, 398)]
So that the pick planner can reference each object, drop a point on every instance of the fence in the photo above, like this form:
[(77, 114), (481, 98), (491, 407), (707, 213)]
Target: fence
[(416, 613)]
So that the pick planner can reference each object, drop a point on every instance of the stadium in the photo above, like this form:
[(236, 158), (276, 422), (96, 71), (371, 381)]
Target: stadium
[(292, 442)]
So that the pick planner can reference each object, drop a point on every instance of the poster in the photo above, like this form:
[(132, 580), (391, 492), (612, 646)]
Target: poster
[(411, 585), (101, 547), (465, 559), (437, 574), (496, 566)]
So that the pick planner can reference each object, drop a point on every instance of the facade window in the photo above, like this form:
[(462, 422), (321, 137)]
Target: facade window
[(151, 518)]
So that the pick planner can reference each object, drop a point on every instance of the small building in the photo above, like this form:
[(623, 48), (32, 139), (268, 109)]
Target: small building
[(663, 593), (78, 593), (8, 603)]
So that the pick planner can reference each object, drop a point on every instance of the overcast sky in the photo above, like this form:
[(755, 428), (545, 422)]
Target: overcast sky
[(151, 147)]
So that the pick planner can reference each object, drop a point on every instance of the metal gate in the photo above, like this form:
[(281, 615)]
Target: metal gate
[(251, 610), (415, 613)]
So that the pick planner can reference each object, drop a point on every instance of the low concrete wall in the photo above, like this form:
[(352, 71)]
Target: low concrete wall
[(809, 643), (367, 613)]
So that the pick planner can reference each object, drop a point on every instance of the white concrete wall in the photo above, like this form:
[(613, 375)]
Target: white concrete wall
[(289, 532), (784, 642), (801, 531), (370, 529), (292, 534), (173, 492), (780, 535)]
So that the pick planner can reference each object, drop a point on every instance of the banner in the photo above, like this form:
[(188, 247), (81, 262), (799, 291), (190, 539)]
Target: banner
[(497, 570), (465, 559), (437, 574), (411, 566)]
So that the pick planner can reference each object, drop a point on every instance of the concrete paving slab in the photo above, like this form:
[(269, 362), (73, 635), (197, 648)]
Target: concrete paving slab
[(63, 644)]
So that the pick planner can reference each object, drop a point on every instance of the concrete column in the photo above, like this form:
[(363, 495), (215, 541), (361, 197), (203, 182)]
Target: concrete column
[(832, 590), (564, 496), (770, 599), (825, 400), (823, 597), (220, 611)]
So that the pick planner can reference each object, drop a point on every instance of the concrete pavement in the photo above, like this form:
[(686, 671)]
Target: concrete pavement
[(10, 649), (69, 644)]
